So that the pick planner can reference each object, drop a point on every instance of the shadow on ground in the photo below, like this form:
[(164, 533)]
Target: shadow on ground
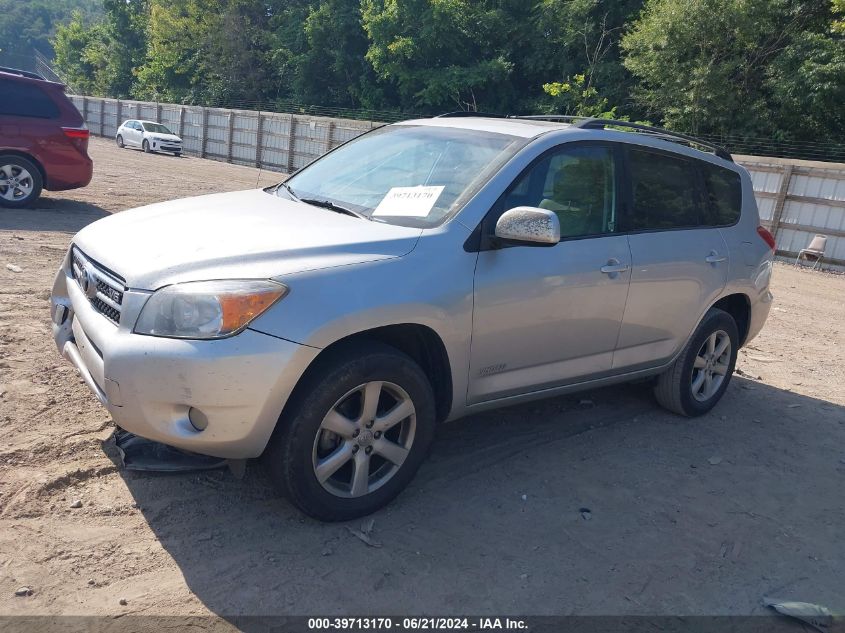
[(52, 214), (703, 516)]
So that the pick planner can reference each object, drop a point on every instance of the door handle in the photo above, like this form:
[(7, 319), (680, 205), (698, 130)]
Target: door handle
[(715, 258), (613, 266)]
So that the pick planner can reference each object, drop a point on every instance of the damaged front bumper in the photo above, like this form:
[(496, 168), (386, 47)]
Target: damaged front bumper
[(154, 387)]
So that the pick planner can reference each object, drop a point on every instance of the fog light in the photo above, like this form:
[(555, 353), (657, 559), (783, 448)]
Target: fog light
[(198, 419)]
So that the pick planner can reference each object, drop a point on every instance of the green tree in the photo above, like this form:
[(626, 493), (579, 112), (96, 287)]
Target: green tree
[(30, 25), (807, 90), (100, 58), (437, 54), (224, 61), (579, 40), (701, 64), (76, 54), (839, 12), (332, 69)]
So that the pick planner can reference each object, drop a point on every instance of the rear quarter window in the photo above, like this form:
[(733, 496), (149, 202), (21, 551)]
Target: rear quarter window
[(724, 193), (18, 98)]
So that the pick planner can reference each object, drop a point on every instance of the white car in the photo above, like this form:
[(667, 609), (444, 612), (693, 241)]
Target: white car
[(149, 136)]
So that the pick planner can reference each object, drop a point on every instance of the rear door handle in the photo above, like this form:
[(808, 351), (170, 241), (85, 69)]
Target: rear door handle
[(715, 258), (613, 266)]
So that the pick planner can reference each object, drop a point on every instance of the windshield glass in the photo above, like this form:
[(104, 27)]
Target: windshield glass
[(156, 127), (409, 175)]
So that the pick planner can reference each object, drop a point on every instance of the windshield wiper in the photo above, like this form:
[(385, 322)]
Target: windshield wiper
[(326, 204), (288, 188)]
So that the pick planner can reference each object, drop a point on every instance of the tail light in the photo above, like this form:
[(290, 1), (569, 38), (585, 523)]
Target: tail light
[(768, 238), (78, 137)]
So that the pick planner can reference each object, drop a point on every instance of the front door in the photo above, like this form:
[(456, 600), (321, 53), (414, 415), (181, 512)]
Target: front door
[(547, 316)]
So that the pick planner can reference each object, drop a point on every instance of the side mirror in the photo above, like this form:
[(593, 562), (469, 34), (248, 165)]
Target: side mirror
[(529, 226)]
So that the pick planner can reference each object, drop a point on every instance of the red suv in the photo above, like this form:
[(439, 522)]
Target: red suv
[(43, 139)]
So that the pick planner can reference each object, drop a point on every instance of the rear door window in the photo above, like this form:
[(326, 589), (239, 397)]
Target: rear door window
[(724, 193), (664, 192), (18, 98)]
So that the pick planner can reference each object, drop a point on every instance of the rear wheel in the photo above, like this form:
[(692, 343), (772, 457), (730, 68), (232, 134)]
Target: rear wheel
[(119, 141), (177, 154), (20, 181), (699, 377), (355, 434), (146, 146)]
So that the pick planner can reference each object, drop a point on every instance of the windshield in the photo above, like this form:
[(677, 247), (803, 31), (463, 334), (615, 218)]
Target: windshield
[(404, 174), (156, 127)]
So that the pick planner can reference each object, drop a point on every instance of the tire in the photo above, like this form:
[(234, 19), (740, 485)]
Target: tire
[(120, 142), (27, 181), (682, 388), (146, 146), (177, 154), (338, 385)]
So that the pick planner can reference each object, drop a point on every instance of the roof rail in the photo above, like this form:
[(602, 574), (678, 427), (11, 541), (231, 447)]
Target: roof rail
[(588, 123), (463, 113), (21, 73)]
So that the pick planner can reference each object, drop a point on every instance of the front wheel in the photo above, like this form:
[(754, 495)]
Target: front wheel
[(698, 378), (146, 146), (120, 142), (20, 181), (354, 434)]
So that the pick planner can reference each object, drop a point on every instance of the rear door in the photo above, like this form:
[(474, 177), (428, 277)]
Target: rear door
[(547, 316), (679, 263)]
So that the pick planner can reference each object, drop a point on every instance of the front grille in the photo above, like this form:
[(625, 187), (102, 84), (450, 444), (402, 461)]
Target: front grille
[(103, 288)]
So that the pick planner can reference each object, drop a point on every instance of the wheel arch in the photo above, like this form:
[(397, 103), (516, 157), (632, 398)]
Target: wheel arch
[(419, 342), (738, 305), (30, 158)]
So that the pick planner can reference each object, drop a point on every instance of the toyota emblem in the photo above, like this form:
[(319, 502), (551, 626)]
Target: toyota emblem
[(89, 283)]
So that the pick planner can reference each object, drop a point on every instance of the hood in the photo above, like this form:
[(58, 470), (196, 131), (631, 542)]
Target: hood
[(245, 234)]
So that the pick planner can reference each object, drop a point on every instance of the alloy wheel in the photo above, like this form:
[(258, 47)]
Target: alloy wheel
[(711, 365), (16, 183), (364, 439)]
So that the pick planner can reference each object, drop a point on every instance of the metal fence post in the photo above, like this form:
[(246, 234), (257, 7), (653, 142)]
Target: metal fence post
[(119, 114), (158, 112), (330, 136), (181, 120), (230, 131), (259, 139), (204, 132), (291, 143), (85, 110), (780, 202), (102, 115)]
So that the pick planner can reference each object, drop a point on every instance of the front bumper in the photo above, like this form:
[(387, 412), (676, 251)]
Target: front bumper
[(167, 146), (149, 384)]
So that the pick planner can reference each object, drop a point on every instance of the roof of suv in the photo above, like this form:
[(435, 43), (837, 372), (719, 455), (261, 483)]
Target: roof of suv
[(534, 126), (524, 128), (28, 77)]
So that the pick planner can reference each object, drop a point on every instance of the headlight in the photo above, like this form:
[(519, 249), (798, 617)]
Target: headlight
[(207, 309)]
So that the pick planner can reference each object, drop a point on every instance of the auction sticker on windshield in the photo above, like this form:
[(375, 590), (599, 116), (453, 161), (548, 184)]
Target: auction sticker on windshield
[(414, 202)]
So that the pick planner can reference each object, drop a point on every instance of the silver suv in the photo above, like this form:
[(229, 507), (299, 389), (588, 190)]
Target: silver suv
[(417, 274)]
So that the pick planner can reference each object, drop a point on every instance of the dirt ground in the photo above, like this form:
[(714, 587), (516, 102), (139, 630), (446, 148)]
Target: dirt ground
[(687, 517)]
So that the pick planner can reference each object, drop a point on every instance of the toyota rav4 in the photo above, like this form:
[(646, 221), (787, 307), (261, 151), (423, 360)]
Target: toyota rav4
[(419, 273)]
